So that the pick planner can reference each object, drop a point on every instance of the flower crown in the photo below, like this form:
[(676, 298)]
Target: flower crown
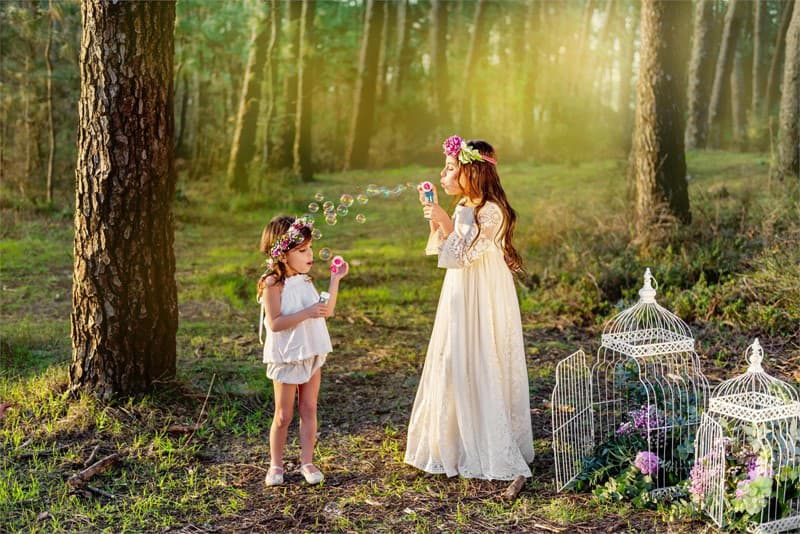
[(293, 236), (456, 147)]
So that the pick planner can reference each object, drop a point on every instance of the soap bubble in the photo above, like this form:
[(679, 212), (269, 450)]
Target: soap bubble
[(386, 192), (361, 218), (362, 198), (330, 218), (328, 206), (325, 254), (373, 190), (319, 197), (316, 234), (347, 200), (313, 207), (342, 210)]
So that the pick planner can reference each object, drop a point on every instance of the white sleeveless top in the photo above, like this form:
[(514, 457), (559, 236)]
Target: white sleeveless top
[(307, 338)]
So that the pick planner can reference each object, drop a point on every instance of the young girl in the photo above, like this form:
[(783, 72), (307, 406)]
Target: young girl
[(471, 415), (297, 340)]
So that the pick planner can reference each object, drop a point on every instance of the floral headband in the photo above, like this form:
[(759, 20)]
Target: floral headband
[(456, 147), (293, 236)]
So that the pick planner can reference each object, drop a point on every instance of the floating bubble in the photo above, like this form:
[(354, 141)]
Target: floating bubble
[(328, 206), (316, 234), (342, 210), (325, 254), (313, 207), (373, 189), (386, 192), (319, 197), (362, 198), (346, 199), (361, 218), (330, 218)]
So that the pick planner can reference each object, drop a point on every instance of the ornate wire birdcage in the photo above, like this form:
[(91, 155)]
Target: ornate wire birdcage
[(747, 468), (646, 387)]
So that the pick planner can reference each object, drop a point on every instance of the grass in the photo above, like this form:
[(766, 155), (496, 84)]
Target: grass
[(732, 274)]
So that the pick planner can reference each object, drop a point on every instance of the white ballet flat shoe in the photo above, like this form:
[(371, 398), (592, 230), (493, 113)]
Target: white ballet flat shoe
[(312, 477), (274, 476)]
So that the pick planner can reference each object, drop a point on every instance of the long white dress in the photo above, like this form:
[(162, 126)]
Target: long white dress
[(471, 415)]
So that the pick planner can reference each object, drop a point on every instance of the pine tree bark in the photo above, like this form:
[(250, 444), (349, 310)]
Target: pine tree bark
[(439, 77), (473, 53), (51, 129), (272, 80), (124, 299), (305, 60), (658, 158), (773, 77), (282, 151), (364, 103), (699, 77), (722, 72), (243, 147), (788, 161)]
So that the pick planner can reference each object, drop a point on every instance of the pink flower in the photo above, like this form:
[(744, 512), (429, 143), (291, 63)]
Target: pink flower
[(647, 463), (452, 146)]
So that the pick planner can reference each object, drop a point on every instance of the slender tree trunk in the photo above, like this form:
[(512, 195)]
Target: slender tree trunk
[(659, 163), (385, 55), (124, 297), (305, 82), (243, 147), (50, 124), (530, 66), (700, 67), (473, 53), (773, 78), (282, 154), (272, 79), (759, 9), (727, 48), (627, 55), (738, 101), (439, 76), (26, 117), (403, 52), (788, 161), (364, 103)]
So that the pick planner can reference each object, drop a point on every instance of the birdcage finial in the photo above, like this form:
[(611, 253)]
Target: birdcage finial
[(648, 291), (755, 358)]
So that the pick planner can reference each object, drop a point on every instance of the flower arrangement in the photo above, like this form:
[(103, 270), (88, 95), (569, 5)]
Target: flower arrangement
[(292, 237), (456, 147)]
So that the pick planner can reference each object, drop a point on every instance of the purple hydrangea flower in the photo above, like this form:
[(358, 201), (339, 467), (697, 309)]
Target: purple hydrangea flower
[(647, 463), (758, 467), (452, 146)]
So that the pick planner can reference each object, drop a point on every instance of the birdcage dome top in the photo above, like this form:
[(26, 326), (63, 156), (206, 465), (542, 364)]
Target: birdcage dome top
[(755, 396), (647, 328)]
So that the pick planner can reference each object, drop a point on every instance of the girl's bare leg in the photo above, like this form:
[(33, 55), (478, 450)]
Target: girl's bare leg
[(307, 406), (284, 411)]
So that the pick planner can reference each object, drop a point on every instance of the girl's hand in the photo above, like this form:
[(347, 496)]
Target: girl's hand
[(318, 310), (341, 271), (422, 199), (436, 214)]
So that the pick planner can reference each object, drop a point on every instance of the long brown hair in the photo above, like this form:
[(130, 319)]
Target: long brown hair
[(482, 180), (278, 226)]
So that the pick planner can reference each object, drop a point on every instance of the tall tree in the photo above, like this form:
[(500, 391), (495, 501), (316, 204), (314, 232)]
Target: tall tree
[(364, 104), (658, 159), (243, 146), (530, 66), (282, 151), (759, 19), (788, 161), (473, 54), (402, 57), (272, 79), (722, 72), (305, 58), (738, 105), (439, 76), (773, 76), (627, 52), (124, 297), (699, 76), (51, 129)]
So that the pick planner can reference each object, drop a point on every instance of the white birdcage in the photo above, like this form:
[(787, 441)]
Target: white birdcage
[(747, 467), (645, 382)]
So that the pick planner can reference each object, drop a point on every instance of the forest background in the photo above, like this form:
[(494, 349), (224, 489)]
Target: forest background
[(276, 102)]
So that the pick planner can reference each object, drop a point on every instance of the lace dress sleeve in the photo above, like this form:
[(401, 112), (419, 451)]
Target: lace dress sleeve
[(435, 242), (459, 251)]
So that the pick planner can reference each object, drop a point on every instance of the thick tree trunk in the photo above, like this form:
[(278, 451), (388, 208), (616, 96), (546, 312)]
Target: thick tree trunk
[(305, 82), (51, 129), (124, 297), (700, 68), (722, 72), (282, 153), (658, 159), (364, 103), (243, 147), (788, 161), (473, 53), (439, 76), (773, 77), (272, 80)]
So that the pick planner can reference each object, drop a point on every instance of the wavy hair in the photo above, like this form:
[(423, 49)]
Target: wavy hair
[(278, 226)]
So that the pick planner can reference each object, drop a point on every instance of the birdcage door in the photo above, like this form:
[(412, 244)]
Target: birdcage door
[(573, 419)]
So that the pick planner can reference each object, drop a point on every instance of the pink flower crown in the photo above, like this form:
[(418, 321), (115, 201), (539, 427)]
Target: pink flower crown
[(456, 147), (292, 237)]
